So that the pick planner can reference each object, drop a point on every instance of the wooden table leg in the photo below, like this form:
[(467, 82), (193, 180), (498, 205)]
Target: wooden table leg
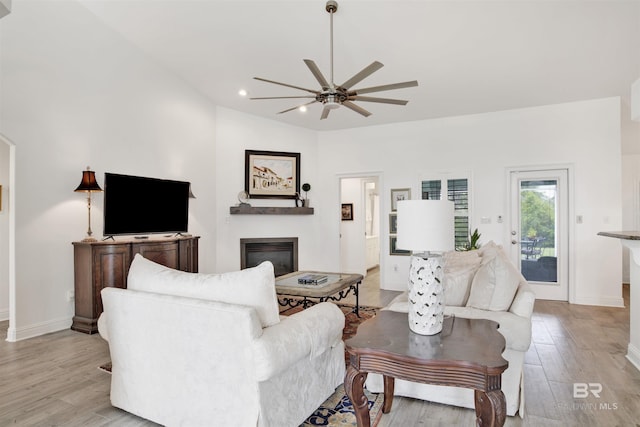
[(491, 408), (354, 386), (389, 385)]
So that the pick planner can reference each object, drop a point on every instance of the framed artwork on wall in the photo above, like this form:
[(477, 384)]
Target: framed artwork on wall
[(271, 174), (347, 211), (393, 250), (393, 223), (398, 194)]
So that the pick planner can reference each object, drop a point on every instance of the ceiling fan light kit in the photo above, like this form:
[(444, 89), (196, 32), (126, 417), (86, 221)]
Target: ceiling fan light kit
[(332, 96)]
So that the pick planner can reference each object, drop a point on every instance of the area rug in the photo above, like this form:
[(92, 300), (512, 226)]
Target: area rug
[(337, 410)]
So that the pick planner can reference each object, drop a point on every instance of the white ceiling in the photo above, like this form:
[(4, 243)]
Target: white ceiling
[(468, 57)]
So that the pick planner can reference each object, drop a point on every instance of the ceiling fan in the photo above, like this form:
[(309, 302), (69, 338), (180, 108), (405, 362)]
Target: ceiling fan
[(332, 96)]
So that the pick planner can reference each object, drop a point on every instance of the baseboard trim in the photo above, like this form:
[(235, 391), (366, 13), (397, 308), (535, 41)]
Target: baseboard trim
[(633, 355), (600, 301), (37, 329)]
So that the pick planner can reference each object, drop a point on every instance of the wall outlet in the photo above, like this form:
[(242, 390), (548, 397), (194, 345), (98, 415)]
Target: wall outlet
[(70, 296)]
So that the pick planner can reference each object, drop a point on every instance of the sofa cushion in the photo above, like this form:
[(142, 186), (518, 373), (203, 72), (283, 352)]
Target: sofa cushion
[(494, 284), (459, 270), (254, 287)]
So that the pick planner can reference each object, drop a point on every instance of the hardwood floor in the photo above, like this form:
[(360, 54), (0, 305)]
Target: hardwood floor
[(53, 380)]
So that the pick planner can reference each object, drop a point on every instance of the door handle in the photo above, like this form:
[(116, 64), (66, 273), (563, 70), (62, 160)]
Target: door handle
[(514, 242), (513, 233)]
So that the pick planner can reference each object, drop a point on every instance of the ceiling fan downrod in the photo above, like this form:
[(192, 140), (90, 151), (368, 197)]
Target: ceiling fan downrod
[(331, 7)]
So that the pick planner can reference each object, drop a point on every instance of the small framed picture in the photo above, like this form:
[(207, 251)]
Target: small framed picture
[(398, 194), (347, 211), (393, 223), (393, 250)]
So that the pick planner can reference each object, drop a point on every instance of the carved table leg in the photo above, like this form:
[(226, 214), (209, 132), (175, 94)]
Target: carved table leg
[(354, 386), (389, 385), (491, 408)]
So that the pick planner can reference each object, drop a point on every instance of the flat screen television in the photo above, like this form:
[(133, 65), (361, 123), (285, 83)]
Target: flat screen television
[(140, 205)]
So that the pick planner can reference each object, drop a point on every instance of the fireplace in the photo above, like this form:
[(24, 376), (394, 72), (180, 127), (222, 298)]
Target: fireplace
[(281, 251)]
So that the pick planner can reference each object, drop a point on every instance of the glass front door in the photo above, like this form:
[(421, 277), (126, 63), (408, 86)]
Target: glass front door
[(539, 234)]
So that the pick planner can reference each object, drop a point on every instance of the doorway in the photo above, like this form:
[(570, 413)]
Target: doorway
[(539, 236), (359, 224)]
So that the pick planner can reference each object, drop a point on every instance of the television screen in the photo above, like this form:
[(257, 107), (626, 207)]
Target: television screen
[(139, 205)]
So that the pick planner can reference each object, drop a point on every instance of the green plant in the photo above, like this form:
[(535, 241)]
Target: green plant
[(472, 241)]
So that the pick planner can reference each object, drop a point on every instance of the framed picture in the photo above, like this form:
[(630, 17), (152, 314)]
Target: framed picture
[(393, 250), (398, 194), (347, 211), (393, 223), (271, 174)]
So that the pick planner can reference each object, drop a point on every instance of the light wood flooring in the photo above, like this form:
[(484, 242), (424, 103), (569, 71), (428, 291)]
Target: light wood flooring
[(53, 380)]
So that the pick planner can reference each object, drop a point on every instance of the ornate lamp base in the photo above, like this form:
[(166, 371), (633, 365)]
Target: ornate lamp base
[(426, 294)]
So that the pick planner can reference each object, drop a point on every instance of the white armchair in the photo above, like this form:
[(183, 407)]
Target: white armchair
[(202, 357)]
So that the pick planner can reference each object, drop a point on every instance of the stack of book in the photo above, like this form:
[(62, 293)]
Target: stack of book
[(312, 279)]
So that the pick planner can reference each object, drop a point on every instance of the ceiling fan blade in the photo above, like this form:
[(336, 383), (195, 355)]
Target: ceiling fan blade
[(366, 72), (380, 100), (287, 85), (356, 108), (296, 107), (284, 97), (384, 87), (325, 113), (317, 74)]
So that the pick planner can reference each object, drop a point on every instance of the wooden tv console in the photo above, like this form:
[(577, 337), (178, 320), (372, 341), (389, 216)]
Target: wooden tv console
[(98, 265)]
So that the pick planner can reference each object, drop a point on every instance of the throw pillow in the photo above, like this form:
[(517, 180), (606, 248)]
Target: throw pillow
[(495, 284), (488, 251), (459, 270), (254, 287)]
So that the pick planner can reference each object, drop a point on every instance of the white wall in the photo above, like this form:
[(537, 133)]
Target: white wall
[(352, 238), (237, 132), (72, 94), (583, 134)]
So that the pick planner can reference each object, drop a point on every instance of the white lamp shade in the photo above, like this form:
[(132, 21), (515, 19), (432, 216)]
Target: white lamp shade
[(425, 225)]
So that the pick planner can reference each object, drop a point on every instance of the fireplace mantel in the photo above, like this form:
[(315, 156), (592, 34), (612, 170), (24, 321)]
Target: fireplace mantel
[(269, 210)]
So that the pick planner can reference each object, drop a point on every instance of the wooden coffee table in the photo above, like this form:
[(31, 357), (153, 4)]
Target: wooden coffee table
[(467, 353), (338, 285)]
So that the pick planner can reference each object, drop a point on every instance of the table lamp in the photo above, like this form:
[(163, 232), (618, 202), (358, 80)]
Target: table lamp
[(426, 228), (88, 185)]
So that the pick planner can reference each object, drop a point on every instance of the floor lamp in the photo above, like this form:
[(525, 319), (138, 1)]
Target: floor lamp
[(88, 185), (426, 227)]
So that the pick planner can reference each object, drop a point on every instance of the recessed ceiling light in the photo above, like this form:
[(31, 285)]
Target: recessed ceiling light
[(303, 108), (242, 92)]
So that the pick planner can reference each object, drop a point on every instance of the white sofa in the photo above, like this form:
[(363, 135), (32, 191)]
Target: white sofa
[(192, 349), (480, 284)]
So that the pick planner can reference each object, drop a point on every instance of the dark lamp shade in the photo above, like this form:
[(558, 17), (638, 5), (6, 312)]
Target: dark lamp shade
[(88, 182)]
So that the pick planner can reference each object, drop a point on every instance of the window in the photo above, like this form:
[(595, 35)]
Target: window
[(457, 191)]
